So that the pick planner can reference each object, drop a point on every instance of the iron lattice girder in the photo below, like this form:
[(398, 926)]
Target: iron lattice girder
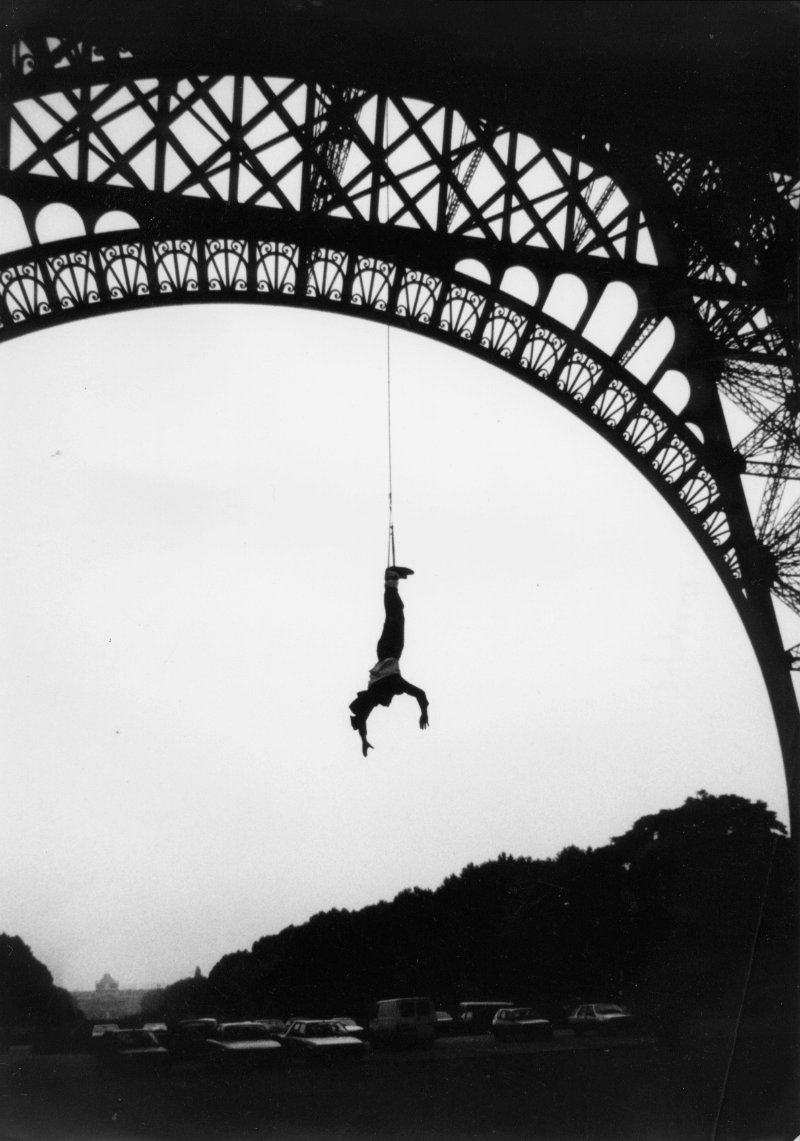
[(773, 439), (660, 288), (412, 153), (86, 126), (79, 120), (376, 235), (753, 239), (60, 133)]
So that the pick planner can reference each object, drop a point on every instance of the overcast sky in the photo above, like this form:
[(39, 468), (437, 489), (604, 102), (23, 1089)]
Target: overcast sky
[(193, 505)]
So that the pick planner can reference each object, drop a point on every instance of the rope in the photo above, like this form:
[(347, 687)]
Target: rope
[(390, 554), (391, 558)]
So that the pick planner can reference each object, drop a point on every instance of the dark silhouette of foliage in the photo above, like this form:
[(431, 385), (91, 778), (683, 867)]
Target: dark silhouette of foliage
[(668, 916), (27, 991), (186, 998), (696, 884)]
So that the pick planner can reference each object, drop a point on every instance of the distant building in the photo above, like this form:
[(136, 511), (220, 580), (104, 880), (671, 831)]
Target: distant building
[(107, 1001)]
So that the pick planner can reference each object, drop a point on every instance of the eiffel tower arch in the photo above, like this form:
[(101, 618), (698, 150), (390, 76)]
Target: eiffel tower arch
[(617, 229)]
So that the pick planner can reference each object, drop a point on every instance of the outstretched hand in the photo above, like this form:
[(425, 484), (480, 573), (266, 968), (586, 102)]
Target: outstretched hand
[(423, 721)]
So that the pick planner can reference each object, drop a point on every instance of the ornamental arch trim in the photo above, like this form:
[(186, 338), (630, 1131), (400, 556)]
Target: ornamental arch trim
[(113, 272)]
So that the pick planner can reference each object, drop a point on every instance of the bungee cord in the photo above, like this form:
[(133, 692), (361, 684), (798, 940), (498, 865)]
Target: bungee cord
[(391, 558)]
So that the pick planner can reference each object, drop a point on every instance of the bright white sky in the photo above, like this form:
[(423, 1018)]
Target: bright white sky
[(193, 505)]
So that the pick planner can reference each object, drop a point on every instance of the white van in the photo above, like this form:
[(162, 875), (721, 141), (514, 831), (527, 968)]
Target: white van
[(404, 1022)]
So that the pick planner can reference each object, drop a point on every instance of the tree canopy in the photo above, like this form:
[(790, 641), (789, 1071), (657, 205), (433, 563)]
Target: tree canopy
[(666, 915), (27, 991)]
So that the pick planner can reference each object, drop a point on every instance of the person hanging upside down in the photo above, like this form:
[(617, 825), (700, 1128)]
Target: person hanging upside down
[(385, 680)]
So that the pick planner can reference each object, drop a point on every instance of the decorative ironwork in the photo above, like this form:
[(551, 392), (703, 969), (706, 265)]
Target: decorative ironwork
[(579, 376), (613, 404), (74, 279), (731, 558), (673, 461), (227, 265), (371, 284), (125, 269), (326, 274), (176, 266), (149, 272), (259, 188), (461, 311), (418, 295), (645, 430), (719, 530), (276, 268), (542, 352), (699, 491), (24, 293), (503, 330)]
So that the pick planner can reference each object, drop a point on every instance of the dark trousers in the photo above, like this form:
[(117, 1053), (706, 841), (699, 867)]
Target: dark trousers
[(392, 639)]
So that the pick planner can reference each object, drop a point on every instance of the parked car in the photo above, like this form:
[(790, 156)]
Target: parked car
[(446, 1025), (477, 1017), (307, 1041), (188, 1038), (351, 1027), (276, 1027), (404, 1022), (242, 1044), (601, 1017), (520, 1024), (160, 1031), (99, 1030), (131, 1053)]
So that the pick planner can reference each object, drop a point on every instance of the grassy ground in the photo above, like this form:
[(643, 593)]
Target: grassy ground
[(609, 1091)]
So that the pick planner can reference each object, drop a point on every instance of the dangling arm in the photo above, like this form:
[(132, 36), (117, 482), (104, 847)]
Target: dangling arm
[(361, 709), (419, 694), (361, 726)]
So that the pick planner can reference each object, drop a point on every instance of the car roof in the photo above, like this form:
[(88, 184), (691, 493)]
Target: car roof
[(526, 1009), (483, 1003), (409, 998)]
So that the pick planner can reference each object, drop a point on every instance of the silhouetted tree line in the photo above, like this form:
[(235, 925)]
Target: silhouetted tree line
[(28, 995), (671, 917)]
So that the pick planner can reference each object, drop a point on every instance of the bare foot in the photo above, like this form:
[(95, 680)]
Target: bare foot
[(364, 746)]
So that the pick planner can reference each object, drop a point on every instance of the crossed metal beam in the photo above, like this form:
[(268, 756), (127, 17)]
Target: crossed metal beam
[(299, 192)]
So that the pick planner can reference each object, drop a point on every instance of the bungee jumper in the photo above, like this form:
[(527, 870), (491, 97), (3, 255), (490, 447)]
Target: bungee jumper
[(385, 680)]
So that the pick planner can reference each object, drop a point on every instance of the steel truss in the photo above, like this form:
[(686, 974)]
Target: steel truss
[(289, 191)]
